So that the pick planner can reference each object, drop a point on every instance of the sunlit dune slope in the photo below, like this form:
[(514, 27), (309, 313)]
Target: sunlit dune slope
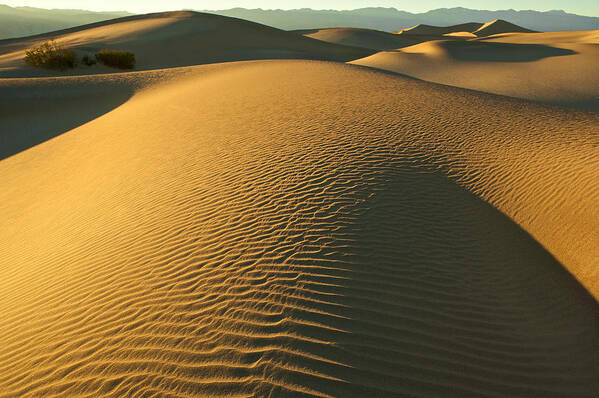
[(378, 40), (499, 26), (557, 67), (429, 30), (35, 110), (175, 39), (301, 228)]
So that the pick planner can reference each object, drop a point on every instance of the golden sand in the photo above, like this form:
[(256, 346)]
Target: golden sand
[(366, 38), (558, 68), (294, 228), (260, 228), (174, 39)]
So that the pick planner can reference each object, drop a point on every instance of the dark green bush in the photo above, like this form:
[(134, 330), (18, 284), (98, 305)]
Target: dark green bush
[(51, 55), (116, 59), (87, 60)]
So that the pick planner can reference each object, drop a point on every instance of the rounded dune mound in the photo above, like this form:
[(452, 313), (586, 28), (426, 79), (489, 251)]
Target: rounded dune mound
[(429, 30), (556, 67), (570, 38), (301, 228), (469, 35), (429, 48), (366, 38), (500, 26), (175, 39)]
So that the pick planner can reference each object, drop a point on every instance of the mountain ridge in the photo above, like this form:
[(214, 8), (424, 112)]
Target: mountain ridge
[(28, 21), (391, 19)]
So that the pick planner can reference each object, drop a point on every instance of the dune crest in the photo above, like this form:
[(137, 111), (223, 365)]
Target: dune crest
[(283, 225), (335, 241), (475, 28), (500, 26), (366, 38), (430, 30), (557, 68), (175, 39)]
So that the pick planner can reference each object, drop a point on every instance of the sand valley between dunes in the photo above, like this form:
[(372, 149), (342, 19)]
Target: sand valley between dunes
[(294, 228)]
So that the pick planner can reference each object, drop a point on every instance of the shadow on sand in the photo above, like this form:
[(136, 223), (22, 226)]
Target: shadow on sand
[(439, 294), (32, 115), (501, 52)]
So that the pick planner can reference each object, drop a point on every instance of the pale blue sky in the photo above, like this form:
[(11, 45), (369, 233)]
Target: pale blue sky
[(583, 7)]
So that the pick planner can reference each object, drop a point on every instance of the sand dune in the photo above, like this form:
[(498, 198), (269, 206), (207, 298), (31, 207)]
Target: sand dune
[(60, 104), (499, 26), (377, 40), (429, 30), (175, 39), (263, 229), (467, 35), (557, 68), (477, 29), (366, 38)]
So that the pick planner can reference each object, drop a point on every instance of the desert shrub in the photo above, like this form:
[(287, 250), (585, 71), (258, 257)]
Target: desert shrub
[(87, 60), (116, 59), (51, 55)]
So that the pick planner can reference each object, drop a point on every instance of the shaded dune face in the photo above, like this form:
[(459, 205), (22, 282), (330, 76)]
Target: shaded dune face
[(480, 51), (366, 38), (477, 29), (499, 26), (58, 108), (557, 68), (262, 228), (377, 40), (422, 29), (63, 104)]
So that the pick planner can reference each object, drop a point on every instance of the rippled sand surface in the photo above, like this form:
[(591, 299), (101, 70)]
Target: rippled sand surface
[(297, 228)]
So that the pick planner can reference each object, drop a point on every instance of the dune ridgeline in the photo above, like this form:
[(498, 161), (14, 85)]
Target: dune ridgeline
[(501, 58), (226, 222), (175, 39)]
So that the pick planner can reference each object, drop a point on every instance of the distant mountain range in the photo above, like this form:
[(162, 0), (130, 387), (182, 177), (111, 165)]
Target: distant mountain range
[(25, 21), (391, 19)]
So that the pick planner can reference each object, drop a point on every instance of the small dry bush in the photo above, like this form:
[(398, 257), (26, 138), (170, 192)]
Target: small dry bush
[(116, 59), (51, 55), (87, 60)]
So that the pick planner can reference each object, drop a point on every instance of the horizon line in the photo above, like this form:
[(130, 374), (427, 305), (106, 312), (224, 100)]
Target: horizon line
[(298, 9)]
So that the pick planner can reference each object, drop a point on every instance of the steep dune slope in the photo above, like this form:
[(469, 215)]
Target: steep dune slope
[(558, 68), (263, 228), (499, 26), (377, 40), (35, 110), (176, 39), (429, 30)]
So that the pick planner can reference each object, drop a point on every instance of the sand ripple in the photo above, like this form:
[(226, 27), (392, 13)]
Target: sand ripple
[(303, 229)]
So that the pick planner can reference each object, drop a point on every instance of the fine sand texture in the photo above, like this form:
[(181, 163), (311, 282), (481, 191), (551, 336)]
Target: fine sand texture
[(296, 228), (174, 39), (557, 67)]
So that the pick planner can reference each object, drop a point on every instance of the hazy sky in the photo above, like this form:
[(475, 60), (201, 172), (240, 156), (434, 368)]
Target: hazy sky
[(584, 7)]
